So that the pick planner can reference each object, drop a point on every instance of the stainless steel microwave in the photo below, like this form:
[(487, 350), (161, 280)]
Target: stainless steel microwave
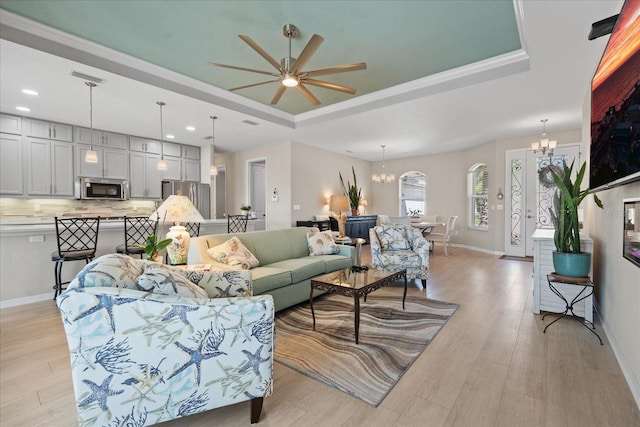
[(101, 189)]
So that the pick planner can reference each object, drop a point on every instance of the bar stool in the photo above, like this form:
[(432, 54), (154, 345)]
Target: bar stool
[(77, 240), (237, 223), (136, 231), (193, 228)]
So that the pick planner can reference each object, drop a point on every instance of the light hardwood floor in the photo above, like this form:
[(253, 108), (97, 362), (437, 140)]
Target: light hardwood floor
[(491, 365)]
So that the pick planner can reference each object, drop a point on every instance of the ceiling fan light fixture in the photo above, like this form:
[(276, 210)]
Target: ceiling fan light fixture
[(290, 80)]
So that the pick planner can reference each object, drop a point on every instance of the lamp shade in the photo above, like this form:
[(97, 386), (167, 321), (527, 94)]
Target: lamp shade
[(177, 209), (339, 204)]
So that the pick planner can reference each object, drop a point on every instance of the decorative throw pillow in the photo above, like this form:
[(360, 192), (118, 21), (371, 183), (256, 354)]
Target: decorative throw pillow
[(233, 253), (321, 243), (160, 279), (393, 237), (112, 271), (220, 284)]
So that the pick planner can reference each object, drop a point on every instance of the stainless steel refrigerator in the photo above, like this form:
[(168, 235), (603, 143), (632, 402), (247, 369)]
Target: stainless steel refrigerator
[(199, 194)]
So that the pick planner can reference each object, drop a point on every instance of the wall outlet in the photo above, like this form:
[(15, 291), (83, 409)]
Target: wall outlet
[(36, 239), (274, 198), (296, 207)]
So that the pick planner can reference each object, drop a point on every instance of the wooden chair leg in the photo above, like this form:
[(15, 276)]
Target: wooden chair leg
[(256, 409)]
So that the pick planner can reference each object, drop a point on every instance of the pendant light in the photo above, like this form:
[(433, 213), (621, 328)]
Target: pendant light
[(162, 165), (213, 170), (383, 178), (91, 156)]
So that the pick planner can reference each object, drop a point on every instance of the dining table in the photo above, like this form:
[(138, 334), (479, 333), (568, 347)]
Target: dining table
[(426, 227)]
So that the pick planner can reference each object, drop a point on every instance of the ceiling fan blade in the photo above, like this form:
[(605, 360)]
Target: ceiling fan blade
[(336, 69), (332, 86), (307, 53), (278, 94), (303, 90), (253, 84), (251, 70), (261, 51)]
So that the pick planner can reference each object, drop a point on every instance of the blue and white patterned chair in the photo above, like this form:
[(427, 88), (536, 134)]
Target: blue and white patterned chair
[(398, 246), (147, 345)]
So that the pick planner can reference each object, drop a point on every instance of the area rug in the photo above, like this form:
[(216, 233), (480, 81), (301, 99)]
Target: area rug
[(390, 341)]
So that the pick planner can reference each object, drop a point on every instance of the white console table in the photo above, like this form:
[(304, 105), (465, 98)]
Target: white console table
[(543, 298)]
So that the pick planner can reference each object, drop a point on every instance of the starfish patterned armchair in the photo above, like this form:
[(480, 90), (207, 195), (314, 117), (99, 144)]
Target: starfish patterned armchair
[(150, 343), (398, 246)]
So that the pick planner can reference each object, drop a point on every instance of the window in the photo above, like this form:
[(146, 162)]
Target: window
[(478, 189), (413, 194)]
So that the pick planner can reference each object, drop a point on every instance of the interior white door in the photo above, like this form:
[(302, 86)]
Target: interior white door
[(257, 193), (529, 194)]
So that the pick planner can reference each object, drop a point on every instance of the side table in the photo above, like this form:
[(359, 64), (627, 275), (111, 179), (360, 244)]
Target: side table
[(585, 292)]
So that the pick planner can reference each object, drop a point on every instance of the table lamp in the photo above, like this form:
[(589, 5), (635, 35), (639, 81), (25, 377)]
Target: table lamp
[(177, 209), (338, 205)]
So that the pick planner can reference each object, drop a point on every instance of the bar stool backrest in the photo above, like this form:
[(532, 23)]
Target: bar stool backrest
[(236, 223), (193, 228), (76, 235), (137, 229)]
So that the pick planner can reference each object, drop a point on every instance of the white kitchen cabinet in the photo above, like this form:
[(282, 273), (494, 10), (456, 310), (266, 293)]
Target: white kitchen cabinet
[(11, 164), (543, 298), (10, 124), (144, 145), (100, 138), (49, 130), (145, 180), (49, 168), (112, 163), (172, 149)]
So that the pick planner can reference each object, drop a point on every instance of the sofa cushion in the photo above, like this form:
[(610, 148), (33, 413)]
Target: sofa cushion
[(112, 270), (335, 262), (402, 259), (219, 284), (321, 243), (233, 253), (160, 279), (392, 237), (301, 268), (267, 278)]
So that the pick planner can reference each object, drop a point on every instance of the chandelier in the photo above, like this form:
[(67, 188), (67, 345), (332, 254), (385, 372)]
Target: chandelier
[(383, 178), (545, 146)]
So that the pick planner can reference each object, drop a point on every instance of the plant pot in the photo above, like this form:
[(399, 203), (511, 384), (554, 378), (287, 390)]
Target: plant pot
[(572, 265), (354, 212)]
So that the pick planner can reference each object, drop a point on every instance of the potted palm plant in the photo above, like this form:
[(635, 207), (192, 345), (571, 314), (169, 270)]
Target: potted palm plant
[(352, 192), (568, 260)]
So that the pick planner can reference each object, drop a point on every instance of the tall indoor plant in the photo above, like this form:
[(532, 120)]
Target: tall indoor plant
[(352, 192), (568, 260)]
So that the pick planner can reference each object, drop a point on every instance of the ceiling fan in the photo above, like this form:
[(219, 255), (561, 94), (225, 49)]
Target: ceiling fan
[(290, 70)]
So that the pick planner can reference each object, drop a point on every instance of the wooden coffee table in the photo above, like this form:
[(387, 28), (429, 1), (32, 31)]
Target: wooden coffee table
[(356, 284)]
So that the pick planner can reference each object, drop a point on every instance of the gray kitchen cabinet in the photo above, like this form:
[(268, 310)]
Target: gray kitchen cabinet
[(174, 168), (49, 130), (191, 152), (191, 170), (11, 164), (100, 138), (144, 145), (10, 124), (145, 180), (49, 168), (172, 149), (112, 163)]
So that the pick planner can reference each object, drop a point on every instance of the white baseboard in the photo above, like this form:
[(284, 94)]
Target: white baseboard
[(632, 381), (26, 300), (473, 248)]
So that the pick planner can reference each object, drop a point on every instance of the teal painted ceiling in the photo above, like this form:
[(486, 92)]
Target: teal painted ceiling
[(400, 41)]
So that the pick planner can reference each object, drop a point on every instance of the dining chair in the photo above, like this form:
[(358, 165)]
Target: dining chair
[(136, 231), (193, 228), (237, 223), (77, 240), (444, 238)]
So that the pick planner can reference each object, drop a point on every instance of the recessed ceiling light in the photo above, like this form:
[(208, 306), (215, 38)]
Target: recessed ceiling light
[(30, 92), (25, 109), (190, 128), (170, 136)]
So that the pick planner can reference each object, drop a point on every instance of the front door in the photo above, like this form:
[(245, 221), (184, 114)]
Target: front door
[(529, 194), (257, 192)]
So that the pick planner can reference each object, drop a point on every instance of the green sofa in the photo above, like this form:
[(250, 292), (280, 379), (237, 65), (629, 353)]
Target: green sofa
[(285, 267)]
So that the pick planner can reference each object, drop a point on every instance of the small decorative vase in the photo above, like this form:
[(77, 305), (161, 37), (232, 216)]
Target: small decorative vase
[(156, 258)]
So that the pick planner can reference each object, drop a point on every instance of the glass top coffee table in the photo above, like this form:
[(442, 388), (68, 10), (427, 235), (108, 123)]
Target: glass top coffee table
[(352, 283)]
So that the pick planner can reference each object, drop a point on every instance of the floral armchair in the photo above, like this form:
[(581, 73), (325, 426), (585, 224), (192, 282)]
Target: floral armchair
[(148, 345), (399, 246)]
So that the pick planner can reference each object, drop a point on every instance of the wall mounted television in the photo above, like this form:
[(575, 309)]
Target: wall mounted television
[(615, 105)]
